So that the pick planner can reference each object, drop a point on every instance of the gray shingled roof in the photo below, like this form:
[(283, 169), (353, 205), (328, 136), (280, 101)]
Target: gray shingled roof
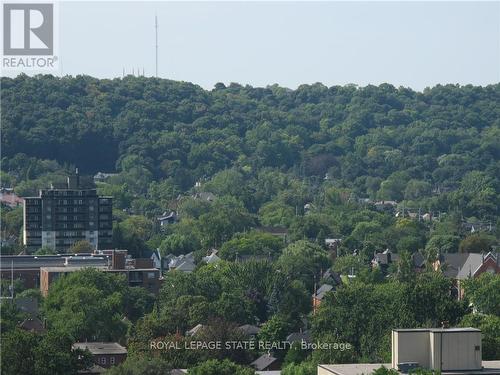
[(320, 293), (299, 337), (473, 262), (101, 347), (263, 362), (249, 329), (451, 263)]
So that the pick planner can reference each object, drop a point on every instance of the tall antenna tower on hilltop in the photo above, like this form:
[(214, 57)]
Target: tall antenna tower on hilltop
[(156, 45)]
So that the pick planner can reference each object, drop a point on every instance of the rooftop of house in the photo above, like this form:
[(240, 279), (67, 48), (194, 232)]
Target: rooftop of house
[(10, 198), (386, 257), (249, 329), (212, 258), (193, 331), (332, 277), (463, 265), (101, 347), (304, 336), (263, 362), (32, 325), (167, 216), (184, 262), (323, 289)]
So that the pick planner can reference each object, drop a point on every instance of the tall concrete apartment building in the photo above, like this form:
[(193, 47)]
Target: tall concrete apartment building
[(59, 217)]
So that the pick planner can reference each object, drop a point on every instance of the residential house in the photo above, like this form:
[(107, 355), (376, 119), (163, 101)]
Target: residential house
[(102, 176), (332, 245), (9, 198), (266, 362), (205, 196), (331, 277), (250, 331), (212, 258), (104, 354), (384, 259), (318, 296), (461, 266), (193, 331), (167, 218), (183, 263), (299, 337), (33, 324), (385, 205), (476, 265)]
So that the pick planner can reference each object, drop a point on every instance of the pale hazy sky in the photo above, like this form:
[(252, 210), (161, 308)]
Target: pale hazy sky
[(415, 44)]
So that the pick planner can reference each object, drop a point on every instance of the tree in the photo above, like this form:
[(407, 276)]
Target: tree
[(45, 250), (385, 371), (88, 305), (347, 264), (304, 368), (140, 366), (26, 353), (477, 243), (416, 189), (178, 244), (405, 270), (253, 243), (490, 332), (215, 367), (484, 293), (443, 244), (81, 247), (18, 357), (303, 260), (275, 329)]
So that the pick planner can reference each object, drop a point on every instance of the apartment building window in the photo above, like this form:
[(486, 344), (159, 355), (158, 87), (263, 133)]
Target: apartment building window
[(112, 360)]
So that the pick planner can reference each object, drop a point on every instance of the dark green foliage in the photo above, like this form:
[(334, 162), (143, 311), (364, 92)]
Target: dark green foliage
[(224, 367), (26, 353), (251, 244), (385, 371), (300, 161), (140, 366), (363, 315), (304, 368), (91, 305), (484, 293)]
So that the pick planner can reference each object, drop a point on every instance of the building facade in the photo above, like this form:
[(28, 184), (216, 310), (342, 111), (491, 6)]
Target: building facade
[(57, 218)]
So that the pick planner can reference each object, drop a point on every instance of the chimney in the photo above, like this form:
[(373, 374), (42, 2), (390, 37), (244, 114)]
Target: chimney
[(118, 260)]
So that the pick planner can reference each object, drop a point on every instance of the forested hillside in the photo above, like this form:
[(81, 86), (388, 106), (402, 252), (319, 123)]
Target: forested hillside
[(180, 132), (267, 152), (375, 168)]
